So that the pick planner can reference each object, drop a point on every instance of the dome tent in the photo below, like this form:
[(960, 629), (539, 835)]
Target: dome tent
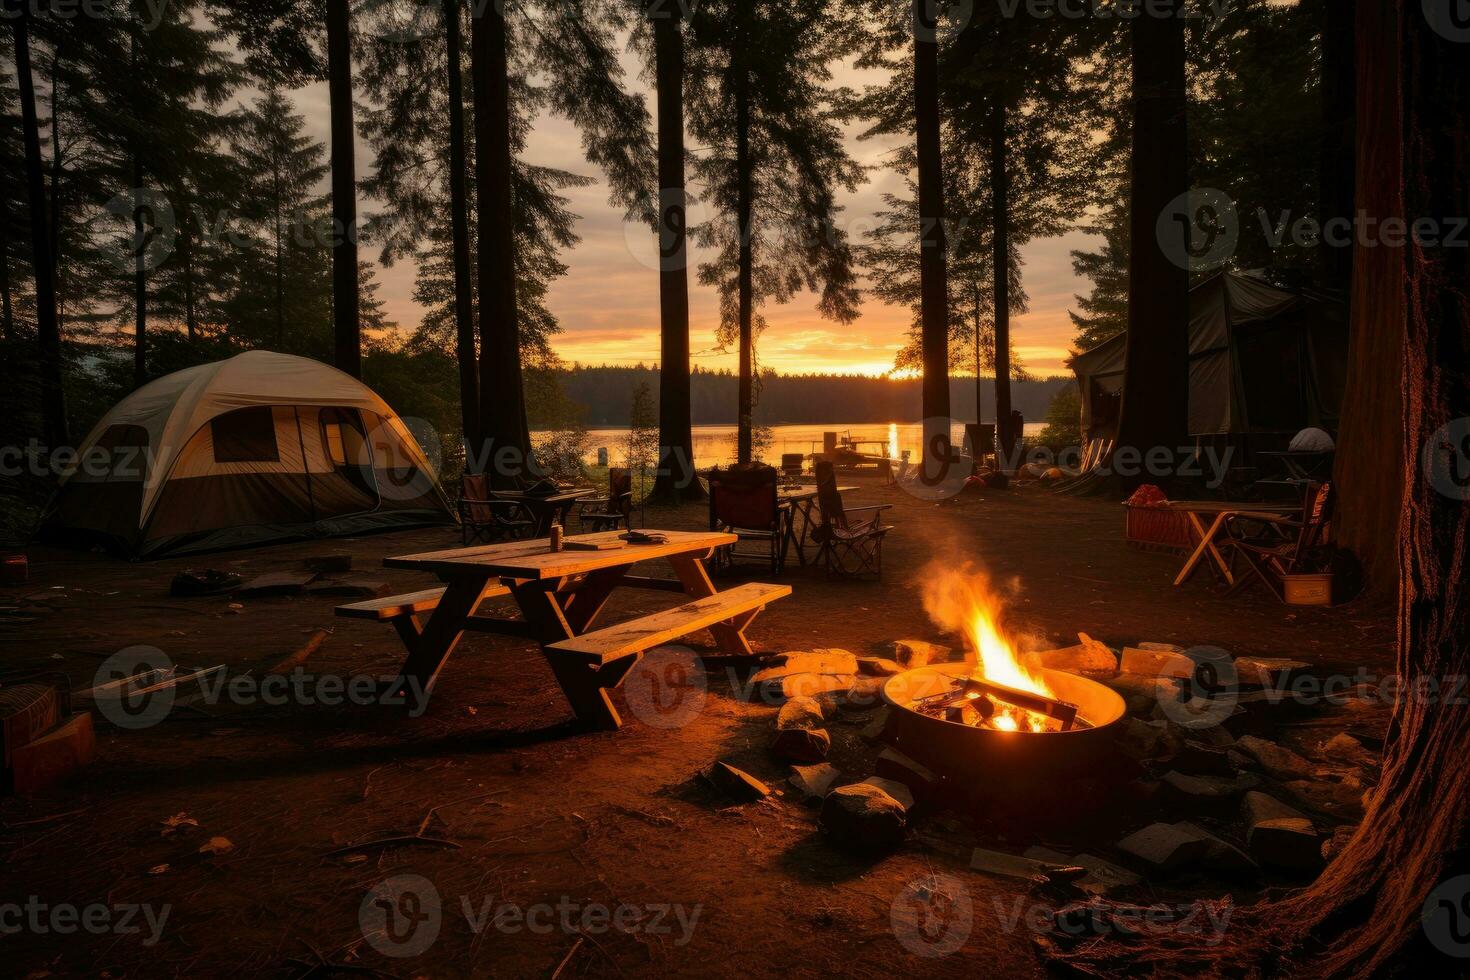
[(259, 448)]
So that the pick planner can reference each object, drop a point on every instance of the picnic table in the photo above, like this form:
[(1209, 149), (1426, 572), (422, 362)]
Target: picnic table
[(801, 499), (1222, 510), (560, 595)]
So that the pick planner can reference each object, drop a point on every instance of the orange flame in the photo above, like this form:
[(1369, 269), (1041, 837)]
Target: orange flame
[(964, 601)]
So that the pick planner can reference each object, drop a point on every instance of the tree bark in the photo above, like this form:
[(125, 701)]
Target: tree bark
[(1369, 492), (48, 334), (140, 280), (7, 309), (1369, 907), (1155, 405), (933, 291), (186, 258), (346, 325), (502, 400), (1000, 199), (459, 212), (676, 480), (744, 198)]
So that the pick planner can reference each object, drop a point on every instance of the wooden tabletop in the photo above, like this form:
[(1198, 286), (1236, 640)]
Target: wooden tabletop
[(806, 492), (534, 559), (560, 497), (1221, 506)]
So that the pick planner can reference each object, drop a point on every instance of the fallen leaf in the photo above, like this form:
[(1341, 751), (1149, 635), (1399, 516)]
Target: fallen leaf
[(179, 823), (158, 869), (217, 845)]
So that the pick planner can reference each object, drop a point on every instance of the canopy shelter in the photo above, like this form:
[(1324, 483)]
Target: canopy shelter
[(259, 448), (1261, 360)]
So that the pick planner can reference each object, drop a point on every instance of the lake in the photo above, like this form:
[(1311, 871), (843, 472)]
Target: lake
[(715, 444)]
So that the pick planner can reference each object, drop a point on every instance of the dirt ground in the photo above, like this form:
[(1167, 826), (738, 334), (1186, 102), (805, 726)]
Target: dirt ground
[(557, 831)]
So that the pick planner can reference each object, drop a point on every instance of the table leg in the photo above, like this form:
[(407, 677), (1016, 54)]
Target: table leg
[(584, 688), (431, 646), (1206, 546), (730, 636)]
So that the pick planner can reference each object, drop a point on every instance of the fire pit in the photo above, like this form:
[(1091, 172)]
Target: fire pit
[(995, 725), (956, 744)]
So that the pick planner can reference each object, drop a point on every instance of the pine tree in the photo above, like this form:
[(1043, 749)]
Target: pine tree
[(758, 97)]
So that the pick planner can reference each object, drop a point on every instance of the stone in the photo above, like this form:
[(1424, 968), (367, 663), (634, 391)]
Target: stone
[(736, 783), (50, 759), (1165, 847), (865, 694), (349, 588), (873, 731), (1201, 760), (920, 653), (826, 661), (862, 817), (1278, 836), (1141, 740), (329, 564), (1156, 663), (800, 736), (1102, 876), (1277, 672), (775, 689), (1019, 866), (893, 764), (879, 666), (1089, 661), (895, 789), (1222, 855), (1196, 791), (812, 782), (1342, 747), (1328, 797), (1165, 647), (1277, 761), (1141, 692), (1214, 736), (276, 583)]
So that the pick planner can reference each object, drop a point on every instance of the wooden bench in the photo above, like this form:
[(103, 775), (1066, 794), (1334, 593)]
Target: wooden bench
[(732, 609), (404, 611)]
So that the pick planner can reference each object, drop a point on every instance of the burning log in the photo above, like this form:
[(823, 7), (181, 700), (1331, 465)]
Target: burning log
[(973, 702)]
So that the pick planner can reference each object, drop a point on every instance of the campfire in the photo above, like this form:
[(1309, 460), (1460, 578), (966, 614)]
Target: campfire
[(983, 712)]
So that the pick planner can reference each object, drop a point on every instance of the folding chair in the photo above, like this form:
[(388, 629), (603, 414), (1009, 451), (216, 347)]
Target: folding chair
[(487, 518), (743, 501), (850, 547), (613, 511), (1279, 546), (792, 464)]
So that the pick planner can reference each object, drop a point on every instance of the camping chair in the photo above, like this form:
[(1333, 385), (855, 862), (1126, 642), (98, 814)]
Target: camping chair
[(743, 502), (486, 518), (613, 511), (850, 547), (1274, 547), (792, 464)]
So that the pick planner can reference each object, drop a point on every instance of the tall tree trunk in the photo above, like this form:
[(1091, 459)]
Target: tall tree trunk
[(933, 291), (676, 480), (745, 286), (186, 260), (502, 401), (140, 247), (7, 309), (979, 354), (48, 335), (1000, 201), (1369, 907), (1337, 161), (140, 280), (346, 325), (1368, 492), (1155, 405), (459, 214), (280, 268)]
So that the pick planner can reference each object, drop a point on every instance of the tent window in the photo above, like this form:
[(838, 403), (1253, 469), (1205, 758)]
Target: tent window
[(247, 435), (335, 450)]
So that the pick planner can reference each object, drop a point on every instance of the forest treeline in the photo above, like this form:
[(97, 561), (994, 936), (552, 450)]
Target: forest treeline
[(604, 396)]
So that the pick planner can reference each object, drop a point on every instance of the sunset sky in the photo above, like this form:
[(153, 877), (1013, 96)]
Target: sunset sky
[(608, 302)]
